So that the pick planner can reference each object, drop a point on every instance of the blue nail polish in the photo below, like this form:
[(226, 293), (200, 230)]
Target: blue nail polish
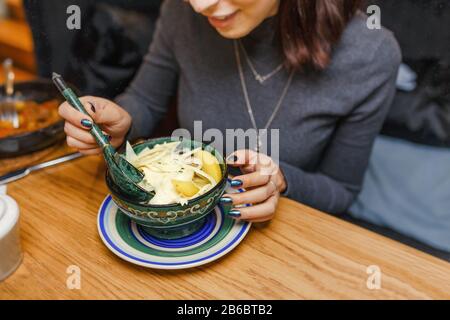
[(236, 183), (232, 158), (86, 123), (234, 214), (92, 107), (226, 200)]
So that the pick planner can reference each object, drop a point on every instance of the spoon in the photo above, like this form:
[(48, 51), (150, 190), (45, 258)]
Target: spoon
[(123, 173)]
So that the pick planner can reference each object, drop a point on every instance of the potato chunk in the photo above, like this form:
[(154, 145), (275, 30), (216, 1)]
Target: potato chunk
[(185, 188), (210, 164)]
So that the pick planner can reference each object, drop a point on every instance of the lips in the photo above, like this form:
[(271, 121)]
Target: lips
[(223, 21)]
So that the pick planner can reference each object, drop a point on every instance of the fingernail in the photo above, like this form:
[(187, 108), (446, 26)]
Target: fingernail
[(109, 138), (234, 214), (92, 107), (226, 200), (236, 183), (86, 123)]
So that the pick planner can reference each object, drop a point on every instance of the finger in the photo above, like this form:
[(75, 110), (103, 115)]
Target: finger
[(254, 179), (90, 152), (74, 143), (254, 196), (251, 161), (70, 114), (78, 134), (248, 168), (242, 158), (102, 111), (261, 212), (266, 218), (91, 104)]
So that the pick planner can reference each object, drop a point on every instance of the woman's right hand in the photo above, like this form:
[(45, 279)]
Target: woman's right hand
[(112, 119)]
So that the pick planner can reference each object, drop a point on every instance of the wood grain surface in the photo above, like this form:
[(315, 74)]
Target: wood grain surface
[(301, 254), (12, 164)]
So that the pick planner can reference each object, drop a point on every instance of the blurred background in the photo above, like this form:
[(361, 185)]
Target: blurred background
[(34, 34), (406, 193), (16, 39)]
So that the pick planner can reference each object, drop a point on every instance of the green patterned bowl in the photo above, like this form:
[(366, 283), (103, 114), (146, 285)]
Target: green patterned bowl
[(174, 220)]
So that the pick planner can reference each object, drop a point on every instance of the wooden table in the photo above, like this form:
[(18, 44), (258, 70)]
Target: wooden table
[(302, 254)]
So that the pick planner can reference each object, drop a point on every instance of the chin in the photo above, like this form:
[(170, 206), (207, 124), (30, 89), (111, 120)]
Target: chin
[(234, 33)]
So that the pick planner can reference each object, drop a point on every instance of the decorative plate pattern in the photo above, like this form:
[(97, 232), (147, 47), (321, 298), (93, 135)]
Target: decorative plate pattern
[(218, 236)]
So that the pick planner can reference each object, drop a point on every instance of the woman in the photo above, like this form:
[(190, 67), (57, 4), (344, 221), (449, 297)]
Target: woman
[(310, 68)]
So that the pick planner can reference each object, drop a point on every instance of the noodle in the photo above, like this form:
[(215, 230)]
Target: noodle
[(174, 174)]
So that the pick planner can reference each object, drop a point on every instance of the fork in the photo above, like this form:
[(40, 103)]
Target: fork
[(8, 111)]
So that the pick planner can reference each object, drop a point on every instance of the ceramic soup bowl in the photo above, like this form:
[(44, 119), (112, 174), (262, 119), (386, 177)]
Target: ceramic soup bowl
[(171, 221)]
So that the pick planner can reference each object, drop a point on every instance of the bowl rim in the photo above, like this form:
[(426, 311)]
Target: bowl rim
[(173, 205)]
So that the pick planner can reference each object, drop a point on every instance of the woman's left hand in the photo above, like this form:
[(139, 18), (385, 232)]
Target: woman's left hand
[(263, 181)]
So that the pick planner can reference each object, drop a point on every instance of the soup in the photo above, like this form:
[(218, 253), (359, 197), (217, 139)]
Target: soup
[(175, 174)]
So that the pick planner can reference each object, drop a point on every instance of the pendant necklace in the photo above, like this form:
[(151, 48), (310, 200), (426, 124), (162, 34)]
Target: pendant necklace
[(247, 99), (258, 77)]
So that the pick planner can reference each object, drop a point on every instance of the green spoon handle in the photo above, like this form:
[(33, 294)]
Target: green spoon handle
[(101, 139)]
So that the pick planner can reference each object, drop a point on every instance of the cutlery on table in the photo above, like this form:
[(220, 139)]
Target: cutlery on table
[(21, 173)]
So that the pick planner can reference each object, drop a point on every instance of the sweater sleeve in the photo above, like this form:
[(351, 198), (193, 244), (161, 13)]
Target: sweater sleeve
[(338, 179), (148, 96)]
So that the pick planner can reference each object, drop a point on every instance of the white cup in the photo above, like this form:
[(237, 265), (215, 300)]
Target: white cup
[(10, 249)]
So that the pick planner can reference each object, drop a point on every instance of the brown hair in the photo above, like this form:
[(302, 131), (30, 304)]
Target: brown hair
[(308, 29)]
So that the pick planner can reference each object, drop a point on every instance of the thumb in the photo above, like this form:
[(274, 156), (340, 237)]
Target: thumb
[(100, 110), (243, 157)]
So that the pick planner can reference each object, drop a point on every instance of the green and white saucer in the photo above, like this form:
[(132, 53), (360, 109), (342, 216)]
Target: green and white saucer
[(219, 235)]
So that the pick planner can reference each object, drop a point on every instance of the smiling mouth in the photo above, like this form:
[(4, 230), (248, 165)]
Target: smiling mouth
[(222, 21)]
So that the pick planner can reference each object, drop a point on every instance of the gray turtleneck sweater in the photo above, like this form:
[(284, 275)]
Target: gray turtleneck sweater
[(328, 120)]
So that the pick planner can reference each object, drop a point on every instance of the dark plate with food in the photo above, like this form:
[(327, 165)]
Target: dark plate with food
[(40, 126)]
